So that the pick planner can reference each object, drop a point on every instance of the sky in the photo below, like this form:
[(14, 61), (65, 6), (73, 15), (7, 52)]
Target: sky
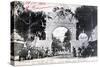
[(59, 33)]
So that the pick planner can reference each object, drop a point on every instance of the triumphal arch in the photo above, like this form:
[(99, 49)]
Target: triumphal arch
[(55, 19)]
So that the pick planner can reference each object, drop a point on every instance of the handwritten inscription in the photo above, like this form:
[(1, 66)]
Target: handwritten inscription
[(36, 5)]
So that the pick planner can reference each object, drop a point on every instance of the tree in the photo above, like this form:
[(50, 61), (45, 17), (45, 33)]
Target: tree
[(87, 17), (16, 9), (32, 23), (66, 41), (28, 22), (67, 36)]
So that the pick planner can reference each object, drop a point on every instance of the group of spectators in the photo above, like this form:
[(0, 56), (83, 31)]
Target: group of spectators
[(89, 51), (33, 53), (37, 52)]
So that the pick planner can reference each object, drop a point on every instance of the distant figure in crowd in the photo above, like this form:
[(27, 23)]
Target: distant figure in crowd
[(74, 52), (83, 51), (79, 52), (46, 52)]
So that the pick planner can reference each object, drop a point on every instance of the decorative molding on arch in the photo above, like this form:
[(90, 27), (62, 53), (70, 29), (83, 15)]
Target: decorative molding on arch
[(55, 22)]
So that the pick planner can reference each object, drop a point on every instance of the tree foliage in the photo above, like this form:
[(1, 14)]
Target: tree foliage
[(33, 21), (67, 36), (28, 21), (87, 17)]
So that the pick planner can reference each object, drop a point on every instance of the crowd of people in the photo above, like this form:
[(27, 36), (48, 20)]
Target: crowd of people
[(89, 51), (33, 53), (40, 52)]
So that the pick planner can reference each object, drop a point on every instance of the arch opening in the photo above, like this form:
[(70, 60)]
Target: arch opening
[(61, 37)]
